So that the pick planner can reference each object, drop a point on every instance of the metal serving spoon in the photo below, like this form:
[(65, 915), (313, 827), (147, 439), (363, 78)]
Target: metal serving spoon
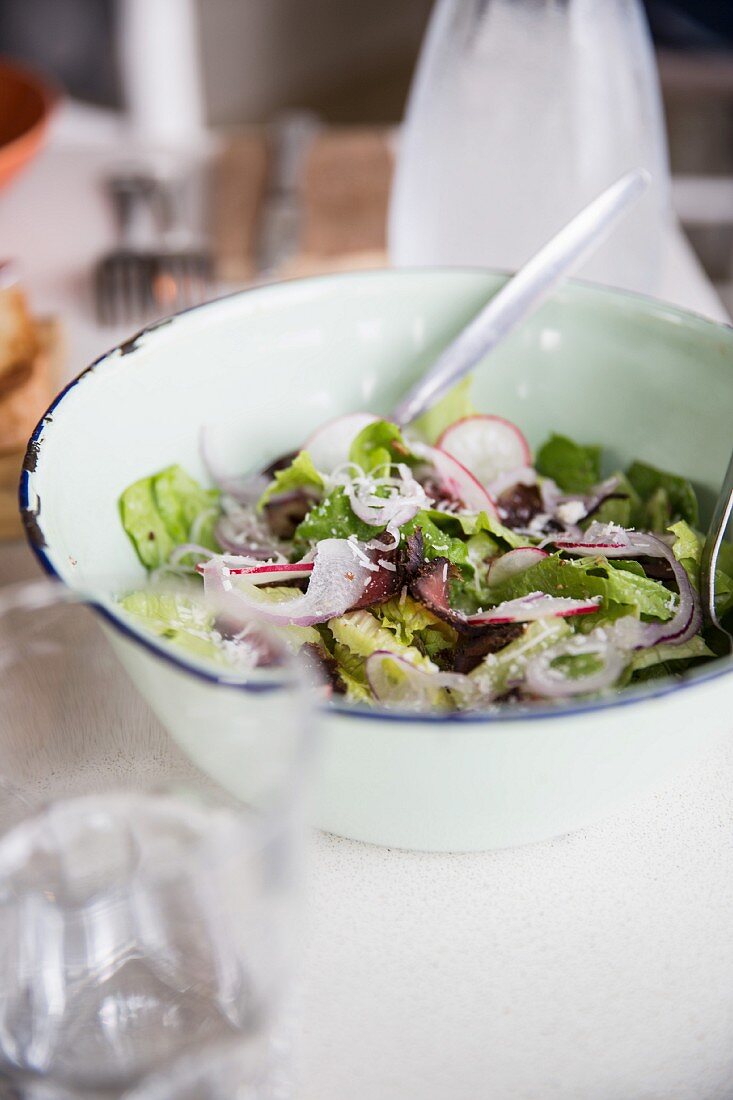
[(709, 561), (524, 292)]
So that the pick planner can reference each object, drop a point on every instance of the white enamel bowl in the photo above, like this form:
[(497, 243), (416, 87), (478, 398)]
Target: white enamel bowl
[(265, 367)]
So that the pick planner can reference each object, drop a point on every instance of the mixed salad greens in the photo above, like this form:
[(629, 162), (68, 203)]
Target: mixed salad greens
[(442, 567)]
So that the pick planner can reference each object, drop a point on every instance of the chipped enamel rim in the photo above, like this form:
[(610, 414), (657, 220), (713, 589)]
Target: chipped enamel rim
[(37, 542)]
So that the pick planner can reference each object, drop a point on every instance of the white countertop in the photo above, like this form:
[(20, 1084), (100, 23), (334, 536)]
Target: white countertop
[(598, 966)]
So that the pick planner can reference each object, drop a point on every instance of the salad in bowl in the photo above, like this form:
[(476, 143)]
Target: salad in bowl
[(443, 567)]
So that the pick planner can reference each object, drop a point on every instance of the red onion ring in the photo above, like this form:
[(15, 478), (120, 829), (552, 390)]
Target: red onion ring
[(616, 542), (336, 584), (522, 475), (419, 687), (541, 678)]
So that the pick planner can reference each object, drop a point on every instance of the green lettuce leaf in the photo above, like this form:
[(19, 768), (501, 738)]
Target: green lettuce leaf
[(358, 634), (687, 548), (180, 618), (665, 659), (333, 518), (575, 467), (378, 445), (666, 497), (437, 543), (363, 635), (591, 577), (300, 474), (181, 500), (144, 524), (160, 512), (351, 671), (480, 521), (413, 624), (455, 405)]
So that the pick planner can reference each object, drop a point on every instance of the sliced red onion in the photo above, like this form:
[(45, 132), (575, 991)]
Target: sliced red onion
[(266, 574), (337, 582), (522, 475), (404, 498), (605, 491), (513, 563), (616, 542), (542, 677), (417, 688), (386, 547), (536, 605), (180, 552), (551, 494)]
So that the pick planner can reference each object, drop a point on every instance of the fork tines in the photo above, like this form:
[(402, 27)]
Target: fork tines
[(181, 279), (123, 282), (132, 286)]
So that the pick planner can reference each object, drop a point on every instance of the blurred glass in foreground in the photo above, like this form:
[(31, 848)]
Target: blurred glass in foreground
[(520, 112), (147, 915)]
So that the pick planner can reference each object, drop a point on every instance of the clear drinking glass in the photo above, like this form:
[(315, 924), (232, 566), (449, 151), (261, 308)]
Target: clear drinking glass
[(521, 111), (148, 917)]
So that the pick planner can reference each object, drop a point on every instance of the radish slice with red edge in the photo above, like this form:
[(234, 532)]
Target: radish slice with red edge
[(329, 445), (268, 574), (600, 538), (337, 582), (412, 688), (486, 445), (514, 562), (456, 481), (537, 605)]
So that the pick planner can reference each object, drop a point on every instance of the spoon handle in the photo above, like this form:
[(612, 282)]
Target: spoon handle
[(564, 253), (711, 549)]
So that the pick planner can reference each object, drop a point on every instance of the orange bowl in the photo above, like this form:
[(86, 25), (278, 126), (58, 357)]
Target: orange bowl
[(26, 104)]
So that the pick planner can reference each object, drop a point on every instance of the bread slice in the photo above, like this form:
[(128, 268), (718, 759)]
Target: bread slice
[(25, 394), (26, 391), (19, 342)]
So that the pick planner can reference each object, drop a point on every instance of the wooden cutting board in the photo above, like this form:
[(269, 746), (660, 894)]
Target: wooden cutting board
[(20, 410)]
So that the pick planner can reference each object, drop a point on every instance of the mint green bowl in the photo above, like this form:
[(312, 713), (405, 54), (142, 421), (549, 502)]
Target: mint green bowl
[(267, 366)]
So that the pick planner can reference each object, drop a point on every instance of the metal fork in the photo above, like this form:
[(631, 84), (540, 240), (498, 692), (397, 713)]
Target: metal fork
[(722, 639), (159, 266), (182, 265), (123, 279)]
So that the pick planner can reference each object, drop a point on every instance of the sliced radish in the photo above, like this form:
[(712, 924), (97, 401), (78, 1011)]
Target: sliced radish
[(268, 574), (329, 445), (486, 445), (537, 605), (458, 482), (514, 562)]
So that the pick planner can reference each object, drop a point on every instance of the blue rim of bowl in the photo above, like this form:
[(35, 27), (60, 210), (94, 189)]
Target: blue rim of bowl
[(29, 517)]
